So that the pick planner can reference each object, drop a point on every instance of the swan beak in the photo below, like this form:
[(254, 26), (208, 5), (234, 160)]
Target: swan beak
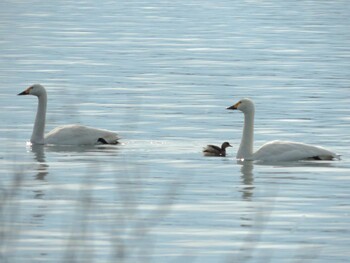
[(234, 107), (25, 92)]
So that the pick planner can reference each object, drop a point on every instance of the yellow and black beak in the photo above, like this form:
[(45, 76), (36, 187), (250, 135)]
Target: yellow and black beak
[(25, 92), (234, 107)]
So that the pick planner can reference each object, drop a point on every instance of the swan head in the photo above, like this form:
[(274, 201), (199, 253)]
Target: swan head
[(244, 105), (36, 90)]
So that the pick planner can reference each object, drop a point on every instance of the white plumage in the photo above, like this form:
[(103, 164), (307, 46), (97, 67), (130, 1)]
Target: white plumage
[(274, 151), (73, 134), (277, 151)]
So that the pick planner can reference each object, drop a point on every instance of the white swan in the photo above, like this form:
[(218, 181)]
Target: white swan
[(274, 151), (67, 134)]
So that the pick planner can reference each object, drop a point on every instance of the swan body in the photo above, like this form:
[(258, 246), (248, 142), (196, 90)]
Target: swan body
[(213, 150), (279, 151), (274, 151), (73, 134)]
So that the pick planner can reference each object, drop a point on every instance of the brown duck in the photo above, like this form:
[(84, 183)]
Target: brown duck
[(213, 150)]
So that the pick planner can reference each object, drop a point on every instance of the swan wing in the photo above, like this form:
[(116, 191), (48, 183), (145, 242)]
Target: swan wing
[(292, 151), (79, 135)]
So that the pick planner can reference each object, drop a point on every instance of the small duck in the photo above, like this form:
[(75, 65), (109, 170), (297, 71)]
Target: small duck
[(213, 150)]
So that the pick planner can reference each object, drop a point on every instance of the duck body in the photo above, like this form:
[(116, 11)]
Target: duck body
[(274, 151), (73, 134), (213, 150)]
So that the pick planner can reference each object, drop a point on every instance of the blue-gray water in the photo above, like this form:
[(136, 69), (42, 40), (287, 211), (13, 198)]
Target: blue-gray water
[(161, 74)]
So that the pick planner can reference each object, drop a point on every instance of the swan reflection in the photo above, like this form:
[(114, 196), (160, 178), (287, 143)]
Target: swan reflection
[(247, 177), (39, 157)]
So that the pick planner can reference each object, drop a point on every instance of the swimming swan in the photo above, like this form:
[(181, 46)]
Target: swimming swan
[(66, 134), (274, 151), (213, 150)]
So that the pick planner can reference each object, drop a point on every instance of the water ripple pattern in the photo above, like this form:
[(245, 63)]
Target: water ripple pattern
[(161, 74)]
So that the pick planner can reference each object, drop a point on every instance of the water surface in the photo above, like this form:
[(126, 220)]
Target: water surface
[(162, 75)]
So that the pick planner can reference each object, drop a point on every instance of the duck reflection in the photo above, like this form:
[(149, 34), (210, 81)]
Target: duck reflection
[(247, 180)]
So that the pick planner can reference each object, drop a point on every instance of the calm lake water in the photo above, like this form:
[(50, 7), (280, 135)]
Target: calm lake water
[(161, 74)]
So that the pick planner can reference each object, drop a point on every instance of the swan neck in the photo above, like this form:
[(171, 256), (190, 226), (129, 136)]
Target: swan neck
[(246, 148), (39, 125)]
